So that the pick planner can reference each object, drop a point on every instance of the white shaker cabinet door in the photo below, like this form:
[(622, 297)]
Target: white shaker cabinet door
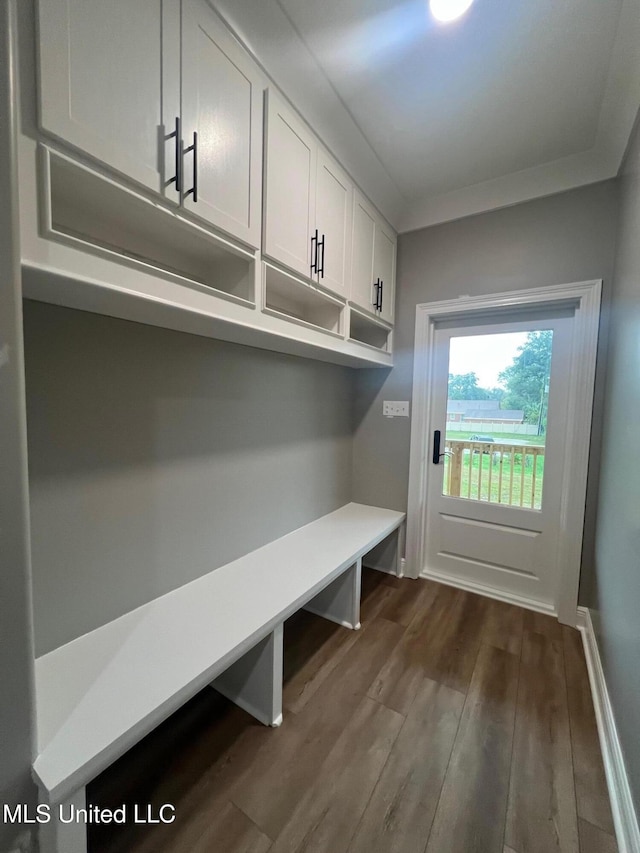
[(363, 292), (334, 211), (384, 269), (110, 83), (290, 172), (222, 105)]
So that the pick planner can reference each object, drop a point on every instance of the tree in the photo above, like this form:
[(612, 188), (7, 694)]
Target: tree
[(464, 386), (526, 381), (495, 394)]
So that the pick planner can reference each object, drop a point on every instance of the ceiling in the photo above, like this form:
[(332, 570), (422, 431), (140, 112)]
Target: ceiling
[(517, 99)]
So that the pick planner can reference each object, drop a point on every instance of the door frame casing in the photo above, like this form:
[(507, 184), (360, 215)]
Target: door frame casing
[(585, 296)]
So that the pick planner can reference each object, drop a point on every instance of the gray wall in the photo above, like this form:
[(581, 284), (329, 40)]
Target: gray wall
[(615, 591), (155, 457), (16, 641), (556, 240)]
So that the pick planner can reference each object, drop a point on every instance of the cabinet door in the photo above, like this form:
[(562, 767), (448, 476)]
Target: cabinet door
[(290, 172), (384, 268), (222, 103), (364, 228), (110, 84), (334, 206)]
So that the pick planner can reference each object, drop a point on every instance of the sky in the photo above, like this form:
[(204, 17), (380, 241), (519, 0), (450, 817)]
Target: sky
[(484, 355)]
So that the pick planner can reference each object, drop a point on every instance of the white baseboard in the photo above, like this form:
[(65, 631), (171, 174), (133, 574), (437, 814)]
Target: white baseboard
[(489, 592), (624, 816)]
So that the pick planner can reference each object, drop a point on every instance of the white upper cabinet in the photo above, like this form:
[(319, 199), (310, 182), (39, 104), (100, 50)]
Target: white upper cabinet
[(110, 82), (334, 203), (308, 205), (222, 119), (373, 270), (384, 268), (161, 92), (364, 232), (163, 149), (290, 181)]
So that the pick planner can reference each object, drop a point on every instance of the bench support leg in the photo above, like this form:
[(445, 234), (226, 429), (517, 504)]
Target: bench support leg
[(59, 837), (340, 600), (401, 548), (254, 682), (386, 557)]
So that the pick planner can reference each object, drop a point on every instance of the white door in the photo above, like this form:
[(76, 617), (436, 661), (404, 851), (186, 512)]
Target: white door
[(290, 188), (384, 270), (363, 292), (110, 83), (494, 494), (334, 204), (222, 115)]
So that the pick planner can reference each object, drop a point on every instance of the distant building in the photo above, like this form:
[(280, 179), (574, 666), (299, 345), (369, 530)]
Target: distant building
[(482, 411)]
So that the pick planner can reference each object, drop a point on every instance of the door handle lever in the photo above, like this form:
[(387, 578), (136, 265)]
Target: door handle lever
[(437, 456)]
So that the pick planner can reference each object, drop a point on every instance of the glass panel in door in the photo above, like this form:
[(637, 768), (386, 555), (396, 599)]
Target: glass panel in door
[(497, 408)]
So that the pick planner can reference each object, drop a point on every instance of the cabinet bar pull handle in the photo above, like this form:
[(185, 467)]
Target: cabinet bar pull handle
[(321, 267), (193, 147), (314, 252), (376, 287), (176, 135), (380, 292)]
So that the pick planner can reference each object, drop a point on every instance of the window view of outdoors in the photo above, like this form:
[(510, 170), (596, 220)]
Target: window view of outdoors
[(497, 417)]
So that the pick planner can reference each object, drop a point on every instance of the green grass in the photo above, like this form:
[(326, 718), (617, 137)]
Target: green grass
[(491, 462), (500, 438)]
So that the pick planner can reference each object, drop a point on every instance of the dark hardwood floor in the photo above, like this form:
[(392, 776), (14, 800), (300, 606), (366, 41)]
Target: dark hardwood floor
[(449, 723)]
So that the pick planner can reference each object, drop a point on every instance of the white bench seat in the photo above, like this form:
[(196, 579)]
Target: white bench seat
[(101, 693)]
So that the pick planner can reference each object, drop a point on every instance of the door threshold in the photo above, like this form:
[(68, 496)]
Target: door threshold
[(489, 592)]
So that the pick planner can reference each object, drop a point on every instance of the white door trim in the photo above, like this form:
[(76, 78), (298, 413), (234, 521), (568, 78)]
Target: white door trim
[(586, 297)]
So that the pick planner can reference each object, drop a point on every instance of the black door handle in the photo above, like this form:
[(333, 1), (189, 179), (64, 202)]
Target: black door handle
[(437, 456), (314, 253), (436, 447)]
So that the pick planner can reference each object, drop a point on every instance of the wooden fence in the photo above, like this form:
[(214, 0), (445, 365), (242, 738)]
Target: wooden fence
[(508, 474)]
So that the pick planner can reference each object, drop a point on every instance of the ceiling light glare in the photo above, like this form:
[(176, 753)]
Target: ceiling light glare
[(448, 10)]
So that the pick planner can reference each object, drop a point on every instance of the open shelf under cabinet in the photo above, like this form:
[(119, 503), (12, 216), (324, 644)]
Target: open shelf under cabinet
[(83, 207)]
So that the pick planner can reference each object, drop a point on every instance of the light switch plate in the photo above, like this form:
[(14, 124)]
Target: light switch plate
[(395, 408)]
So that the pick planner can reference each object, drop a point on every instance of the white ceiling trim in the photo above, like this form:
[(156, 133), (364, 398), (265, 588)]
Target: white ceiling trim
[(567, 173)]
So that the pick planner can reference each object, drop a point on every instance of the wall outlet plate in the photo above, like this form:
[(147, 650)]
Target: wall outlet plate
[(395, 408)]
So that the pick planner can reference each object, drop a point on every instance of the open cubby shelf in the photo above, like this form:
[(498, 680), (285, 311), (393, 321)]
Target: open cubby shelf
[(368, 331), (290, 297), (85, 207)]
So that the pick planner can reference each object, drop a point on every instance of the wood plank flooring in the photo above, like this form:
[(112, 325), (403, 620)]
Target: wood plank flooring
[(449, 723)]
